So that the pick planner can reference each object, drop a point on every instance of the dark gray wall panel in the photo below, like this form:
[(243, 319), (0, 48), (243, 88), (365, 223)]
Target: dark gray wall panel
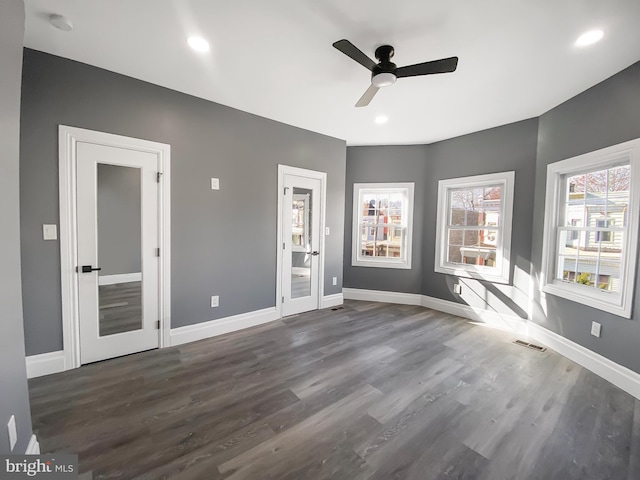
[(14, 397), (223, 242), (387, 164), (500, 149), (604, 115)]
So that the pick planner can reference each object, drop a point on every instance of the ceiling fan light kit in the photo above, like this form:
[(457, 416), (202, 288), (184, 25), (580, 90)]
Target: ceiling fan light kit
[(385, 72)]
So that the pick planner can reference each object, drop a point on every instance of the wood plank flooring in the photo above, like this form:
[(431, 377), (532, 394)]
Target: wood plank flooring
[(370, 391)]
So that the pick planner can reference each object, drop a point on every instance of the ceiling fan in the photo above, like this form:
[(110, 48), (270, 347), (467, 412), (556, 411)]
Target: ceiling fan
[(385, 72)]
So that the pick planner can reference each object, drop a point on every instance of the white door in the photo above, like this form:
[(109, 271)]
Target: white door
[(117, 228), (301, 215)]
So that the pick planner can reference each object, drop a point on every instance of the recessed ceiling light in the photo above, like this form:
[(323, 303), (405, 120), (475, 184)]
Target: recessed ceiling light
[(589, 38), (199, 44), (61, 22), (380, 119)]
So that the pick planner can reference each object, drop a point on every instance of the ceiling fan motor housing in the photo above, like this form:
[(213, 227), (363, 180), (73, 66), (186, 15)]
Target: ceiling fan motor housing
[(384, 74)]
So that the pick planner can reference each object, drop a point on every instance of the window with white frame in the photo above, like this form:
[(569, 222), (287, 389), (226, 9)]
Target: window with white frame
[(473, 233), (382, 224), (590, 246)]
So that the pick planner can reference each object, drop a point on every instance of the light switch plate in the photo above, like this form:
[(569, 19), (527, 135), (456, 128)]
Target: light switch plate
[(215, 184), (215, 301), (49, 232), (335, 280), (13, 432), (595, 329), (327, 231)]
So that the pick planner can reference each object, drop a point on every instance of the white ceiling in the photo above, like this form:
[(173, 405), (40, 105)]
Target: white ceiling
[(275, 58)]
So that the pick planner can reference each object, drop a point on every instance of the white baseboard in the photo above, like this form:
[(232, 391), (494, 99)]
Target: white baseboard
[(620, 376), (34, 447), (380, 296), (45, 364), (511, 323), (332, 300), (212, 328), (120, 278)]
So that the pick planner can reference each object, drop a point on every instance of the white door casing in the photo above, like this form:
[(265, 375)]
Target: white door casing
[(78, 245)]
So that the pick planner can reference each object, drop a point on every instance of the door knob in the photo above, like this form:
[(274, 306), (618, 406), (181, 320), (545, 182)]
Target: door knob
[(89, 269), (315, 253)]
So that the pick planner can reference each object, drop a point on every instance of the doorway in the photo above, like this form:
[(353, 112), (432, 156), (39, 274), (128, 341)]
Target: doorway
[(301, 238), (114, 239)]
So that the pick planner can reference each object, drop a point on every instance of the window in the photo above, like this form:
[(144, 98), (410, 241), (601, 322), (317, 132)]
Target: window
[(473, 237), (382, 222), (589, 249)]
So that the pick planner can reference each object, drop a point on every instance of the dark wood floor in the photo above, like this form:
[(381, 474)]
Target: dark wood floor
[(371, 391)]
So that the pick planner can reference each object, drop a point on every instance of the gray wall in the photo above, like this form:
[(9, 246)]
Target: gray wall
[(405, 163), (604, 115), (14, 399), (223, 242), (506, 148), (119, 219)]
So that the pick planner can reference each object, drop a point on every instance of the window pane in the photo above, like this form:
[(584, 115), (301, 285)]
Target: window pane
[(465, 248), (609, 272), (465, 206), (475, 206)]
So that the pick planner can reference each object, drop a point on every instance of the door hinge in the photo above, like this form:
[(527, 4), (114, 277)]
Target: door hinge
[(158, 177), (284, 245), (158, 252), (158, 325), (282, 299), (285, 190)]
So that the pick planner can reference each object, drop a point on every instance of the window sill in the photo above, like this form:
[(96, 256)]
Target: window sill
[(381, 264), (607, 302), (473, 273)]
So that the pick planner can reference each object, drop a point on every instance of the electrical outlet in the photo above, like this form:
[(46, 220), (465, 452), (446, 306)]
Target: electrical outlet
[(49, 232), (215, 301), (13, 432), (457, 288), (595, 329), (215, 184), (335, 280)]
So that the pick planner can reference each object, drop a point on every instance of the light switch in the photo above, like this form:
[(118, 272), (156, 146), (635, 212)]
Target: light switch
[(215, 184), (327, 231), (50, 232)]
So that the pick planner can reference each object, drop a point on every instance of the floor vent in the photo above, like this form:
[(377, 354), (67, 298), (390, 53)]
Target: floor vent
[(532, 346), (337, 308)]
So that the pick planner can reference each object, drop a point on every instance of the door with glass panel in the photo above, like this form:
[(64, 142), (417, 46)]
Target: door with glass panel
[(117, 226), (301, 244)]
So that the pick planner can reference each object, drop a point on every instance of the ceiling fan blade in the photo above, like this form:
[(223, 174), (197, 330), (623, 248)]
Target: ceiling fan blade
[(444, 65), (368, 96), (351, 51)]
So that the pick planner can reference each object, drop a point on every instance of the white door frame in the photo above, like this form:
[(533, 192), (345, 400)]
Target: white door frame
[(322, 176), (68, 137)]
